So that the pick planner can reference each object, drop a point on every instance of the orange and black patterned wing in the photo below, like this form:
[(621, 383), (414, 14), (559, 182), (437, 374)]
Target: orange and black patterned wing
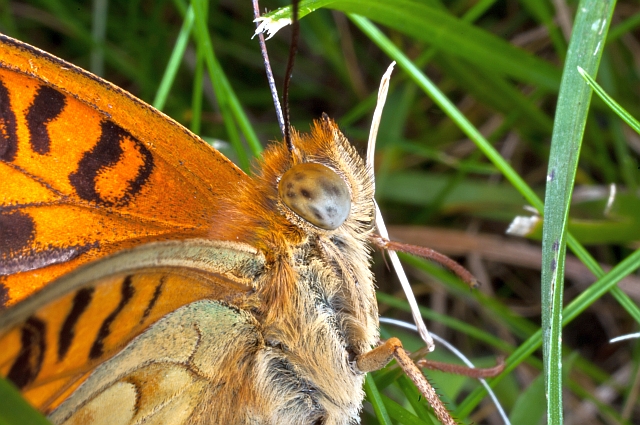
[(53, 341), (86, 170)]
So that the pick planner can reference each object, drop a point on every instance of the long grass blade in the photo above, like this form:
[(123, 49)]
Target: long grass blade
[(585, 50)]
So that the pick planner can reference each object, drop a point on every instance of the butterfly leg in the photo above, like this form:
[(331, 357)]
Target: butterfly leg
[(378, 358), (381, 355), (471, 372)]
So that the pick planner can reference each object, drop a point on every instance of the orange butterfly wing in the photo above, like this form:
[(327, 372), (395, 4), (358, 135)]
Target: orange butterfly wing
[(87, 170), (55, 339)]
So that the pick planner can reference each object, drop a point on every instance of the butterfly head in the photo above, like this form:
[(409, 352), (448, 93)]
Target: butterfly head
[(320, 190), (319, 175), (316, 194), (324, 187)]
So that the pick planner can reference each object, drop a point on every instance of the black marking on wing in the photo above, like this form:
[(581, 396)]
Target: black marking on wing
[(8, 132), (17, 231), (126, 290), (81, 302), (46, 107), (4, 295), (152, 302), (29, 362), (105, 154)]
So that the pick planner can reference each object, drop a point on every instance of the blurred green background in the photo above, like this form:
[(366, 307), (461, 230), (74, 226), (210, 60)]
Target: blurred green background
[(500, 64)]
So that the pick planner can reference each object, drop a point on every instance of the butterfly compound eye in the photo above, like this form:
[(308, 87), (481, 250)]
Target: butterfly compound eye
[(317, 194)]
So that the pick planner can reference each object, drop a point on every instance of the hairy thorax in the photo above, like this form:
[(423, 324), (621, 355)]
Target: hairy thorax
[(307, 366)]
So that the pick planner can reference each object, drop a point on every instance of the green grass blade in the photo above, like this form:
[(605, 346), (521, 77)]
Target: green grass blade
[(448, 107), (227, 99), (402, 415), (445, 31), (98, 33), (450, 322), (602, 286), (216, 75), (15, 410), (174, 61), (624, 27), (374, 396), (588, 36), (615, 106), (529, 408), (577, 306), (415, 399), (198, 92), (546, 14), (224, 93), (624, 300)]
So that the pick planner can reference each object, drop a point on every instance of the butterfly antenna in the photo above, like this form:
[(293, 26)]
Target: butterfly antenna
[(295, 35), (267, 66)]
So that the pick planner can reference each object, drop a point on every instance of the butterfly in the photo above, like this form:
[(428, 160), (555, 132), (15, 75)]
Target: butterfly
[(152, 263), (169, 264)]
